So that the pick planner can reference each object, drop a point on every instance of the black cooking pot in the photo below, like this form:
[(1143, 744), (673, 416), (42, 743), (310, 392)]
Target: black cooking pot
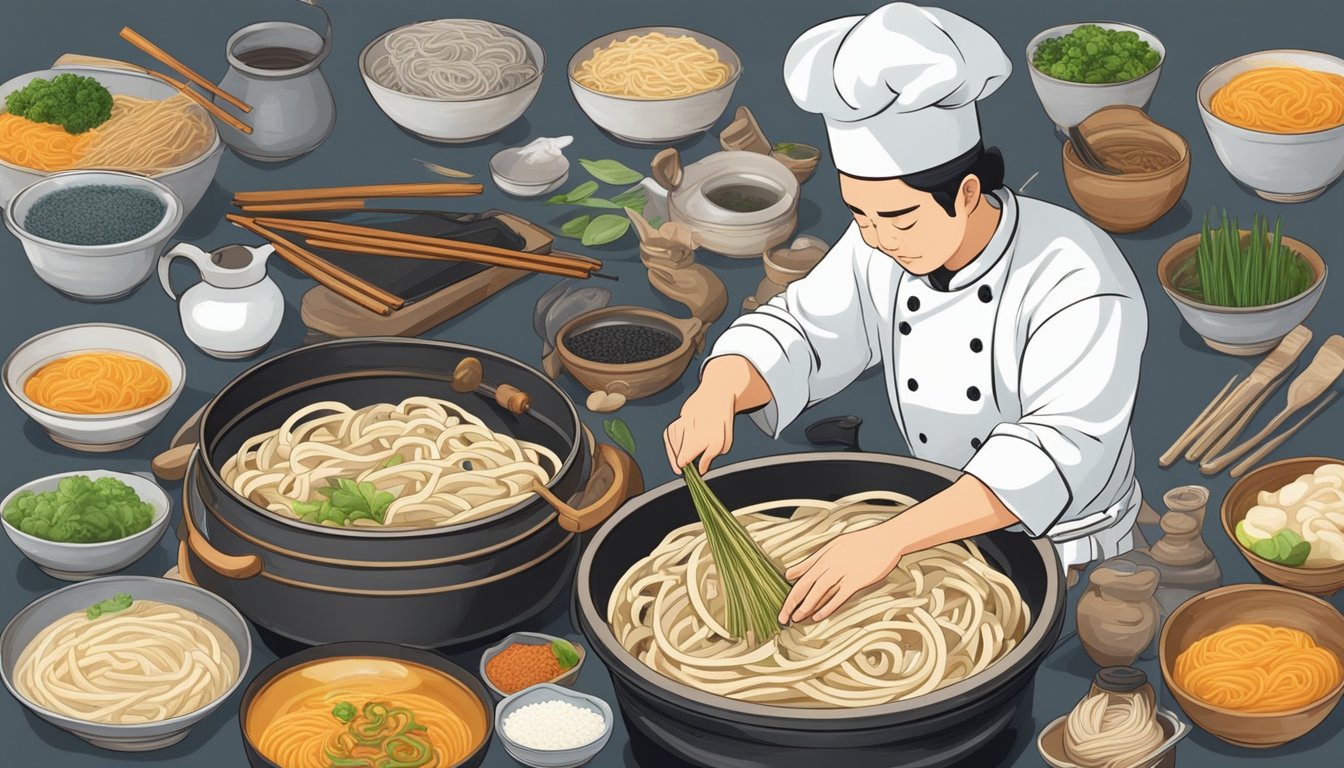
[(937, 729), (420, 587)]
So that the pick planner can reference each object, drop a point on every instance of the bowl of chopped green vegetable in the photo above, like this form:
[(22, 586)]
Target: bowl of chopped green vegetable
[(78, 525), (1242, 290), (1079, 68)]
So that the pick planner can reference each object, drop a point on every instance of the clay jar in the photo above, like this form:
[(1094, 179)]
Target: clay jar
[(1190, 499), (1118, 614)]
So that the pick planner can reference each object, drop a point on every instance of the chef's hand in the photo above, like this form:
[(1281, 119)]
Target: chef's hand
[(833, 574), (704, 431)]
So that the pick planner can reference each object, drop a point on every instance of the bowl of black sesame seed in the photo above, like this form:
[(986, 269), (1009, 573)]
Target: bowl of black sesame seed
[(630, 351), (94, 235)]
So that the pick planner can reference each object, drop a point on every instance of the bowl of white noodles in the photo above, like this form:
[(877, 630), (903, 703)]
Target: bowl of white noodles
[(453, 80), (127, 663)]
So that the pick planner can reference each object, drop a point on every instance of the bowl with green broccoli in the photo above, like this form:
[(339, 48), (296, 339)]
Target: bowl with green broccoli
[(78, 525), (1080, 68)]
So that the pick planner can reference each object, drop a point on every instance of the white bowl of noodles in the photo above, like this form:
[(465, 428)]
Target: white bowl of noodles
[(453, 80), (1284, 165), (184, 158), (677, 86), (170, 628)]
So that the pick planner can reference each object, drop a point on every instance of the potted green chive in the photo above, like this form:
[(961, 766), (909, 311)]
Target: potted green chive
[(1242, 290)]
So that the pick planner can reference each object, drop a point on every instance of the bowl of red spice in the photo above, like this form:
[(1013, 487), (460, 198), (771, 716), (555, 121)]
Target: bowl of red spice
[(525, 659)]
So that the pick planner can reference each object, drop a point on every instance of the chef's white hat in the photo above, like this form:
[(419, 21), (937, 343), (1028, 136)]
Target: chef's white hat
[(897, 87)]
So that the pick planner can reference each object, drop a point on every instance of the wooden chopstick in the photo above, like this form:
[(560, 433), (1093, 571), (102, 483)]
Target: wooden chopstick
[(486, 254), (1239, 425), (206, 104), (1192, 432), (431, 189), (361, 292), (1264, 450), (392, 249), (139, 41), (320, 205)]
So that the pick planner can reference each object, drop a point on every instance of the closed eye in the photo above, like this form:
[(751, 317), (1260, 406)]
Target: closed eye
[(905, 229)]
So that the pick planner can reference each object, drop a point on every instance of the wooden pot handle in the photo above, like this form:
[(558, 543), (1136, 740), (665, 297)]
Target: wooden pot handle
[(230, 566), (628, 481), (171, 465)]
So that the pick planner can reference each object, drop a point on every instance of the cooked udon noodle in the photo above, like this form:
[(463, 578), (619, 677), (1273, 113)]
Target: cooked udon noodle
[(443, 465), (148, 663), (653, 66), (1112, 730), (453, 59), (943, 615)]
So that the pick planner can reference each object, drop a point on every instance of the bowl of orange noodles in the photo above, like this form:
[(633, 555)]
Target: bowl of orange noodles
[(1276, 121), (95, 387), (361, 703), (154, 131), (1256, 665), (654, 85)]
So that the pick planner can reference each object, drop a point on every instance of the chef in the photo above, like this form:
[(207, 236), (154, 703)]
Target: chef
[(1008, 330)]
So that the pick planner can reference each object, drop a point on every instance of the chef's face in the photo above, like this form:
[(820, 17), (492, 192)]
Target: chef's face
[(909, 225)]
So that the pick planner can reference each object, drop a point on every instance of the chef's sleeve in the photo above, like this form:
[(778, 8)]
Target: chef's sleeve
[(812, 340), (1078, 377)]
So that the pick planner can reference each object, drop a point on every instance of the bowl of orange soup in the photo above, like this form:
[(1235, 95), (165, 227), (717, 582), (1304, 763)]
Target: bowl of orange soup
[(365, 704), (95, 387)]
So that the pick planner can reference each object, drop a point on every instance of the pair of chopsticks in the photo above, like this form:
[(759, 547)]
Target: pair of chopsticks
[(1207, 439), (344, 198), (141, 42)]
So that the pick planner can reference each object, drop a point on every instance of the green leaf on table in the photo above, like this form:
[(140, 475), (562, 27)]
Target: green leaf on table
[(620, 434), (611, 172), (584, 190), (604, 229), (595, 202), (635, 194), (575, 226), (565, 653)]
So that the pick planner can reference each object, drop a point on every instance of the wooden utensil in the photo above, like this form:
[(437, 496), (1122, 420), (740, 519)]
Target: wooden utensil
[(1257, 456), (1089, 156), (139, 41), (80, 60), (1191, 432), (1280, 359), (1240, 424), (416, 189), (1324, 370)]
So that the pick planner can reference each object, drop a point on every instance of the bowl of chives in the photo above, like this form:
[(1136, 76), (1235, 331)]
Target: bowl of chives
[(1242, 295)]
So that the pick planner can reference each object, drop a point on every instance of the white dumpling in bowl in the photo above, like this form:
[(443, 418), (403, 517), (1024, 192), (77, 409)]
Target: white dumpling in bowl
[(1262, 522), (1326, 550), (1332, 473), (1295, 493)]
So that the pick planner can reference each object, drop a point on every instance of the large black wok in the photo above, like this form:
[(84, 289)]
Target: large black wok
[(428, 587), (937, 729)]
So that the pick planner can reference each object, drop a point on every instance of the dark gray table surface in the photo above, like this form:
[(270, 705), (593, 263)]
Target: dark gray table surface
[(1179, 373)]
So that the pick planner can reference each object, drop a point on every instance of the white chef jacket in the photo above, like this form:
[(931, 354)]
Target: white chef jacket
[(1023, 371)]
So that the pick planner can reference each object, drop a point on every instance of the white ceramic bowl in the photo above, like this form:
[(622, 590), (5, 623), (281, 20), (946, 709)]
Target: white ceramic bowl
[(98, 433), (94, 272), (1282, 167), (1068, 103), (77, 562), (655, 121), (448, 120), (561, 758), (566, 678), (188, 181), (140, 737)]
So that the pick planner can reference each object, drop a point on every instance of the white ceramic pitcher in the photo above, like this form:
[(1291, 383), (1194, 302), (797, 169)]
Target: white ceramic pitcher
[(235, 310)]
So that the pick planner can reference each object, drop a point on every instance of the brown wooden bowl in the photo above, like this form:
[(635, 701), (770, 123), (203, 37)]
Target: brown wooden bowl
[(1244, 494), (1220, 608), (633, 380), (1128, 202)]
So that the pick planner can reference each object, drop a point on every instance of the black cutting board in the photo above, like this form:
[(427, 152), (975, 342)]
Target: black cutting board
[(414, 279)]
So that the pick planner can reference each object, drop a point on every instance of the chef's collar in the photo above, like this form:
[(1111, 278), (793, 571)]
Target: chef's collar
[(998, 245)]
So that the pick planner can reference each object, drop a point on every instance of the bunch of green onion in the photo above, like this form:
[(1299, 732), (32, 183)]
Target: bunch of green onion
[(1257, 273), (754, 589)]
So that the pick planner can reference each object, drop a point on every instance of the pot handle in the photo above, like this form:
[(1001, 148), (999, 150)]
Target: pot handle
[(185, 251), (840, 431), (627, 481), (230, 566)]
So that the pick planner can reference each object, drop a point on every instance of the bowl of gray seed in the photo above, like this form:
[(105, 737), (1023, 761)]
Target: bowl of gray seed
[(94, 235)]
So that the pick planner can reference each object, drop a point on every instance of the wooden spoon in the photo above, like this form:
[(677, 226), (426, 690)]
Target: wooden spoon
[(1324, 370)]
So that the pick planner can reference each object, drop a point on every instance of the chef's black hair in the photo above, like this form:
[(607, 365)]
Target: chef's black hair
[(944, 181)]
